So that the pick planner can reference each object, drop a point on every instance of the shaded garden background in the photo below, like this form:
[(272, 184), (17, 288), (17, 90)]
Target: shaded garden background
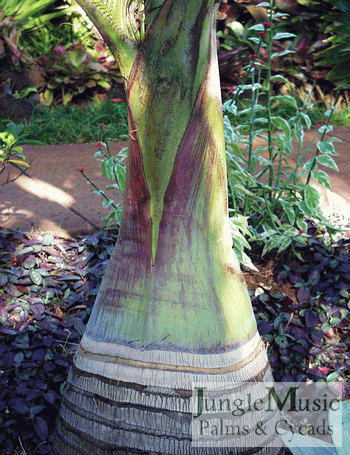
[(53, 48)]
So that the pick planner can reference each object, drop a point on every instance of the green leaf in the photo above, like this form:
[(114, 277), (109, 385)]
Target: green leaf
[(261, 120), (253, 87), (309, 165), (104, 168), (54, 84), (334, 139), (233, 148), (272, 243), (109, 168), (35, 277), (239, 242), (229, 131), (328, 161), (299, 133), (277, 15), (3, 279), (287, 99), (289, 211), (305, 209), (111, 217), (120, 170), (257, 27), (302, 224), (246, 261), (311, 198), (237, 28), (280, 79), (325, 128), (278, 321), (242, 190), (306, 119), (333, 376), (48, 97), (119, 212), (67, 98), (99, 153), (19, 163), (284, 244), (104, 84), (230, 106), (264, 161), (115, 186), (282, 341), (255, 40), (123, 153), (322, 178), (283, 35), (334, 321), (327, 148), (35, 410), (107, 203), (18, 149), (24, 93), (289, 231), (283, 125), (281, 144), (18, 359), (280, 54)]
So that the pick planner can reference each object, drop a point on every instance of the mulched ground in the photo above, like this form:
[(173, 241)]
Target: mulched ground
[(48, 286)]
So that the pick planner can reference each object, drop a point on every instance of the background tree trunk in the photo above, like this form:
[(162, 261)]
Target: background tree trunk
[(173, 307)]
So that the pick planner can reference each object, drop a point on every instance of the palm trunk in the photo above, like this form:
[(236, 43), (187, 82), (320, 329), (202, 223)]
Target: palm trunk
[(173, 307)]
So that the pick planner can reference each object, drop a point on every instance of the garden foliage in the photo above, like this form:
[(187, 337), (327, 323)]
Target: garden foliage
[(18, 16), (74, 71), (11, 151), (73, 61), (47, 290), (46, 296), (277, 197), (316, 27), (33, 32), (114, 169), (337, 55)]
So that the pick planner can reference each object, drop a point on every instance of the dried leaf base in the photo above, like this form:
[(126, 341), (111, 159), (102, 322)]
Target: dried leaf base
[(106, 416)]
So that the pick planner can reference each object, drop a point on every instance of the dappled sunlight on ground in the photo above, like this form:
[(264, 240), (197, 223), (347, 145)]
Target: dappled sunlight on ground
[(45, 190)]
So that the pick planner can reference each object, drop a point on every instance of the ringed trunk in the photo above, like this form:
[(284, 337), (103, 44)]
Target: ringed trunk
[(173, 307)]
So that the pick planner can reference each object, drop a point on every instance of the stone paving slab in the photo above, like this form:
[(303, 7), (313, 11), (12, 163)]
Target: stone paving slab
[(53, 196)]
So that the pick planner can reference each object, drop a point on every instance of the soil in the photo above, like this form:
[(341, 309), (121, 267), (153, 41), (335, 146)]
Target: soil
[(266, 279)]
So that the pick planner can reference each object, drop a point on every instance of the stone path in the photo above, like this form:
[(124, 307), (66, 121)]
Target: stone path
[(53, 195)]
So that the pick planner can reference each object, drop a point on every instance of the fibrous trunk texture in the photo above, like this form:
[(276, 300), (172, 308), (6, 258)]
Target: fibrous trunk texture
[(173, 307)]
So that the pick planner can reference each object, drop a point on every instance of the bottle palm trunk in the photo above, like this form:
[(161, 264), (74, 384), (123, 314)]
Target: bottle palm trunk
[(173, 307)]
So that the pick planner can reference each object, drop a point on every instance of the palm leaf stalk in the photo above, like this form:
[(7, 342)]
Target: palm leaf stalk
[(173, 307)]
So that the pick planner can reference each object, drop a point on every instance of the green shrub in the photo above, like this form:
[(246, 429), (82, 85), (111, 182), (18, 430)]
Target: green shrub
[(277, 198), (337, 55), (74, 71), (11, 152)]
